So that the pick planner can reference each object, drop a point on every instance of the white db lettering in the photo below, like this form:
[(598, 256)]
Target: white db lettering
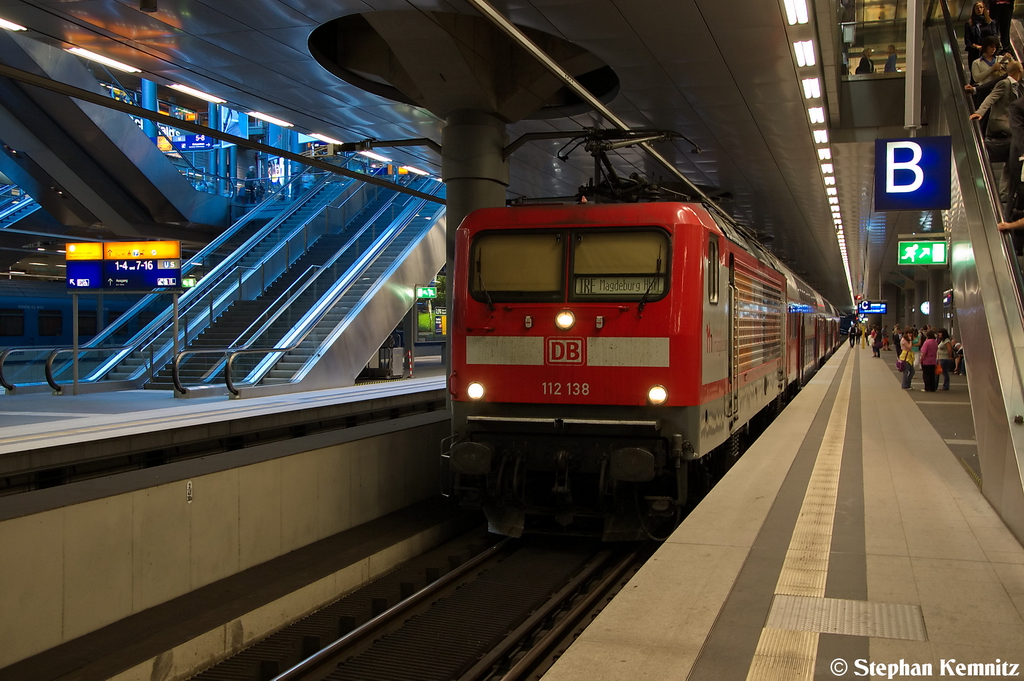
[(891, 166)]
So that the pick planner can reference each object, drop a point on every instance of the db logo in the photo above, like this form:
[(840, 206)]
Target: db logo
[(566, 351)]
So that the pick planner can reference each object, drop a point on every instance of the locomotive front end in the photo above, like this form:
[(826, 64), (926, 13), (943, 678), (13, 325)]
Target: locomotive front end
[(567, 417)]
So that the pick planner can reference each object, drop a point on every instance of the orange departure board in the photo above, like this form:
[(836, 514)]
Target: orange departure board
[(86, 251), (124, 250), (141, 250)]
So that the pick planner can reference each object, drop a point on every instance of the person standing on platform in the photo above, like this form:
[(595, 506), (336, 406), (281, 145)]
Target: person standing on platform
[(876, 342), (947, 357), (890, 60), (866, 65), (929, 358), (907, 355), (851, 333)]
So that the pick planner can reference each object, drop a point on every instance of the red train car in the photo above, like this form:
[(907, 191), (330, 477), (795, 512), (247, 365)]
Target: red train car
[(604, 355)]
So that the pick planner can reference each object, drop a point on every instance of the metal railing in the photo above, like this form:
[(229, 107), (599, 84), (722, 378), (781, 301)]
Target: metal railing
[(298, 334)]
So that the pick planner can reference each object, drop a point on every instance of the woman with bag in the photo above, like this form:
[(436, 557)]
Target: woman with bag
[(876, 342), (907, 357), (929, 359)]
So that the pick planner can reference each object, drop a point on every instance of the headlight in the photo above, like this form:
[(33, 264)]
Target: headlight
[(475, 391), (657, 394), (564, 320)]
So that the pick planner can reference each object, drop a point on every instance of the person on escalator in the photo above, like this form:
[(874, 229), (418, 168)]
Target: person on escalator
[(250, 185)]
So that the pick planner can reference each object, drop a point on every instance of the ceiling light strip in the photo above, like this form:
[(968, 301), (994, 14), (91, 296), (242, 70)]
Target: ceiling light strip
[(113, 63)]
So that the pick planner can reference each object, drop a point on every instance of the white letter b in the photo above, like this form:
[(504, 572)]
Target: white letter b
[(891, 166)]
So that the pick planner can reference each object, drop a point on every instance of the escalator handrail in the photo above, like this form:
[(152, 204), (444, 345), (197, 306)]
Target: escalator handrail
[(989, 179), (198, 294), (367, 224), (232, 352), (143, 336), (309, 322)]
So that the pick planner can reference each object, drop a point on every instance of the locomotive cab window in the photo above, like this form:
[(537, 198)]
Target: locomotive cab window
[(517, 267), (624, 265)]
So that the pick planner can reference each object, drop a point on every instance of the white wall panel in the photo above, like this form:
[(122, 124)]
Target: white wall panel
[(259, 513), (161, 552), (31, 584), (213, 527), (97, 564)]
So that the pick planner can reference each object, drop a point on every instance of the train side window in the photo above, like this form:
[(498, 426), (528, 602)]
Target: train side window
[(12, 322), (51, 323), (86, 323), (713, 273)]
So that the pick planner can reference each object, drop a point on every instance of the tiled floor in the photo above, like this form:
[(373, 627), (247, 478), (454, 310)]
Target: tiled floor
[(925, 537)]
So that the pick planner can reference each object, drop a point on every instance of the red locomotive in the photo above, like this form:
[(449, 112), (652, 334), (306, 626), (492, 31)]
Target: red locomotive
[(605, 359)]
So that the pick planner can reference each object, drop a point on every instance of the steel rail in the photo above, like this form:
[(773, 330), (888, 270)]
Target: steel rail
[(325, 657), (527, 663), (481, 669)]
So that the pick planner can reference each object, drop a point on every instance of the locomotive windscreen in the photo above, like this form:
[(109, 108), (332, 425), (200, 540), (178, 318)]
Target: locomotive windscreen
[(606, 265), (520, 266), (619, 265)]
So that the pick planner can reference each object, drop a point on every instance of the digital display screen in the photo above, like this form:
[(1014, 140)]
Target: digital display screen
[(870, 307), (141, 275), (84, 274), (124, 266)]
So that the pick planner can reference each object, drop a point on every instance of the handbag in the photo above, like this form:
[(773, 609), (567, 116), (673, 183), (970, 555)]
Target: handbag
[(938, 369), (899, 365)]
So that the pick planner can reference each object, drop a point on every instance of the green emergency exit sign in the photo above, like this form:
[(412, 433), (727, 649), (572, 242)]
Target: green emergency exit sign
[(922, 253), (426, 292)]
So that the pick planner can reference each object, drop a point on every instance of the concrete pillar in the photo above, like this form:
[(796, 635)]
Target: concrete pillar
[(149, 102), (936, 285), (475, 174)]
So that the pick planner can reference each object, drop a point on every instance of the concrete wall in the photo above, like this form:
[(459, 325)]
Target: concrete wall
[(69, 570)]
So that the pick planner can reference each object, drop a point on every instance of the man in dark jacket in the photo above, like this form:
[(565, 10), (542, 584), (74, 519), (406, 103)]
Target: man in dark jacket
[(1013, 165)]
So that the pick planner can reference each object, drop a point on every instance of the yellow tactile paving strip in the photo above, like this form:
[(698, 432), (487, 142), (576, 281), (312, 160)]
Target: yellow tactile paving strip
[(787, 654)]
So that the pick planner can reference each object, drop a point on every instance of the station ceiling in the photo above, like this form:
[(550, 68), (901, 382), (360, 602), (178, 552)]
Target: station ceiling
[(722, 74)]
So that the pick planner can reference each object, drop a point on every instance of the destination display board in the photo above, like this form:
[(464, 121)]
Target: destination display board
[(872, 307), (123, 265)]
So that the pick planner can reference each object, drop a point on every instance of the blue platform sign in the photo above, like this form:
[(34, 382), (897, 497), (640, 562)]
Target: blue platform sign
[(913, 174), (194, 142)]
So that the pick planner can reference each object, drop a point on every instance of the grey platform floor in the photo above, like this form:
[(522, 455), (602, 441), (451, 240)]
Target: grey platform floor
[(851, 534), (37, 419)]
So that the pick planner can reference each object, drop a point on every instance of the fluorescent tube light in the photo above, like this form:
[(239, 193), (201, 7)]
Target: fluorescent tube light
[(268, 119), (11, 26), (376, 157), (112, 63), (198, 93), (325, 138), (417, 171), (804, 52), (796, 12)]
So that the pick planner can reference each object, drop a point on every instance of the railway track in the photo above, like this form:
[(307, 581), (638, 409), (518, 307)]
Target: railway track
[(504, 613)]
